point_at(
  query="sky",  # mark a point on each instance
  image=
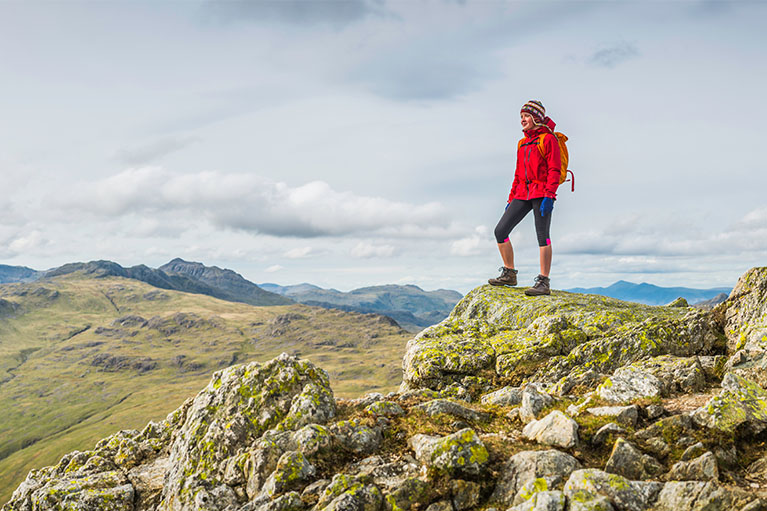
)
(350, 143)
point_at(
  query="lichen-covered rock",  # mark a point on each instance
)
(745, 312)
(461, 453)
(702, 468)
(354, 437)
(629, 462)
(582, 500)
(231, 413)
(626, 415)
(676, 374)
(740, 408)
(465, 494)
(556, 429)
(288, 502)
(750, 364)
(387, 475)
(444, 406)
(530, 471)
(293, 472)
(110, 491)
(410, 493)
(623, 494)
(543, 501)
(365, 498)
(385, 409)
(312, 439)
(693, 451)
(499, 331)
(699, 496)
(507, 396)
(629, 384)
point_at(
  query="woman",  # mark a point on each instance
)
(534, 189)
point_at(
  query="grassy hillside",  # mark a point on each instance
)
(82, 357)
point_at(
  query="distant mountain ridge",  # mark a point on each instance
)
(180, 275)
(409, 305)
(10, 274)
(650, 294)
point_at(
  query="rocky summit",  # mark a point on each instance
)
(561, 402)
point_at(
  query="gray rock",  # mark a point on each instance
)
(543, 501)
(702, 468)
(530, 471)
(443, 406)
(626, 415)
(313, 491)
(693, 451)
(441, 505)
(533, 402)
(605, 431)
(675, 374)
(628, 384)
(354, 437)
(312, 439)
(629, 462)
(366, 498)
(740, 408)
(288, 502)
(106, 490)
(234, 410)
(655, 411)
(699, 496)
(507, 396)
(385, 408)
(745, 312)
(555, 429)
(461, 453)
(750, 364)
(410, 493)
(623, 494)
(293, 472)
(465, 494)
(582, 500)
(658, 447)
(387, 475)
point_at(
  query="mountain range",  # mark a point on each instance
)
(650, 294)
(410, 306)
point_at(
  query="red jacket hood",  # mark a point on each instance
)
(547, 127)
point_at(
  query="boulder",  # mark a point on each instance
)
(533, 403)
(628, 384)
(556, 429)
(354, 437)
(629, 462)
(444, 406)
(740, 408)
(465, 494)
(293, 471)
(583, 500)
(543, 501)
(461, 453)
(533, 470)
(605, 431)
(676, 374)
(410, 493)
(745, 312)
(626, 415)
(507, 396)
(698, 495)
(231, 413)
(623, 494)
(702, 468)
(385, 409)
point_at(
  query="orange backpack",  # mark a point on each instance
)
(561, 138)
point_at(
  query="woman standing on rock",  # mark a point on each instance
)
(534, 189)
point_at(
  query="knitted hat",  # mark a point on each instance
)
(536, 109)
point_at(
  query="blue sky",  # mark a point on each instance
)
(353, 143)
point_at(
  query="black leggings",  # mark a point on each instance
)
(514, 214)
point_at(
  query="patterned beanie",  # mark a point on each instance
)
(536, 109)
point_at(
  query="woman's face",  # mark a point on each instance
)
(527, 121)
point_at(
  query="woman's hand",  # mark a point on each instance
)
(547, 205)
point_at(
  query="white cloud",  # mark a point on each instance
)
(300, 253)
(26, 242)
(274, 268)
(252, 203)
(364, 250)
(475, 244)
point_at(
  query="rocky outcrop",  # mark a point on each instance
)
(567, 402)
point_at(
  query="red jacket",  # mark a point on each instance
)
(537, 175)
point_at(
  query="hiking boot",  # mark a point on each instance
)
(508, 277)
(541, 287)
